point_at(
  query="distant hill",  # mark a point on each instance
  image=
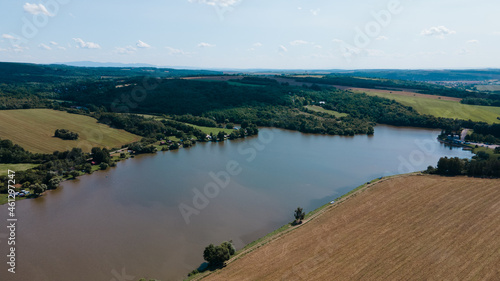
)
(40, 73)
(105, 64)
(427, 75)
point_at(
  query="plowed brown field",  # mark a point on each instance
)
(406, 228)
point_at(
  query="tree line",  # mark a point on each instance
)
(482, 165)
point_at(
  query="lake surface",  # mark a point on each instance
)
(126, 223)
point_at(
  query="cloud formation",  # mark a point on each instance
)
(142, 45)
(174, 51)
(8, 36)
(220, 3)
(19, 49)
(86, 45)
(205, 45)
(125, 50)
(282, 49)
(437, 31)
(314, 12)
(36, 9)
(298, 42)
(473, 41)
(44, 47)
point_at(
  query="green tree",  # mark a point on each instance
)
(74, 174)
(299, 215)
(220, 136)
(103, 166)
(38, 188)
(217, 255)
(53, 183)
(100, 155)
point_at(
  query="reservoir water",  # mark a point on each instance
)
(127, 222)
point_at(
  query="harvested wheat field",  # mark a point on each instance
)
(406, 228)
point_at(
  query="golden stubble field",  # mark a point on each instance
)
(406, 228)
(34, 129)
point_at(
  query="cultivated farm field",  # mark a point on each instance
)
(410, 227)
(442, 107)
(34, 129)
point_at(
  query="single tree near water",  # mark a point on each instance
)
(299, 215)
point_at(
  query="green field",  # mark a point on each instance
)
(33, 129)
(15, 167)
(321, 109)
(445, 108)
(208, 130)
(490, 88)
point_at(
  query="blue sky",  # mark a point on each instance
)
(290, 34)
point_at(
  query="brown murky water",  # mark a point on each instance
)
(125, 223)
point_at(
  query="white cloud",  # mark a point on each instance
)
(44, 47)
(220, 3)
(463, 51)
(473, 41)
(374, 53)
(125, 50)
(18, 49)
(315, 12)
(36, 9)
(318, 47)
(437, 31)
(142, 45)
(174, 51)
(205, 45)
(282, 49)
(257, 45)
(298, 42)
(86, 45)
(382, 38)
(347, 50)
(53, 43)
(8, 36)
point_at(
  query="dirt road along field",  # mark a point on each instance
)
(407, 228)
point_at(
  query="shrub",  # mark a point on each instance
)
(65, 134)
(103, 166)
